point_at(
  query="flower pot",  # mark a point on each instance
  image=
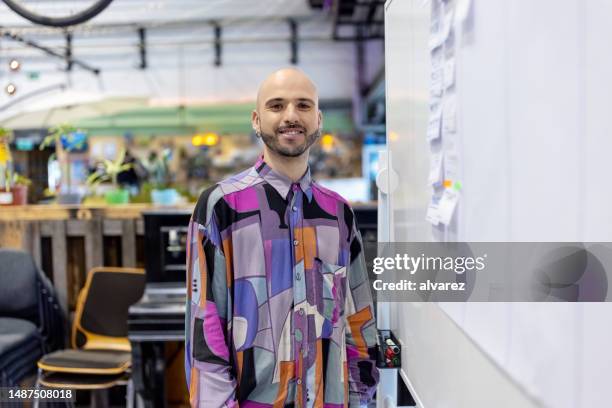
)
(20, 194)
(6, 197)
(168, 196)
(118, 196)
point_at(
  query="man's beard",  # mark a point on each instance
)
(273, 144)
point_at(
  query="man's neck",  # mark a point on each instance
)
(290, 167)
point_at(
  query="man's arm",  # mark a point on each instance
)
(361, 340)
(207, 357)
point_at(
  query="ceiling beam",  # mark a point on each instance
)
(71, 61)
(293, 27)
(142, 47)
(218, 45)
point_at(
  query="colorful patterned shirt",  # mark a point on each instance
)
(279, 306)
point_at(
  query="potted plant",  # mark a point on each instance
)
(65, 138)
(20, 189)
(160, 178)
(110, 171)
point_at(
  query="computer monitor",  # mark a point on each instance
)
(166, 245)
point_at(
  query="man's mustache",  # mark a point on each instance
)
(291, 127)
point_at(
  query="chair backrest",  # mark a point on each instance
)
(18, 285)
(100, 321)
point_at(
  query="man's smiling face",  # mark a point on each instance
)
(287, 115)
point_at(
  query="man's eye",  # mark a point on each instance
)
(304, 106)
(276, 107)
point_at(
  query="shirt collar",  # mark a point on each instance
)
(282, 183)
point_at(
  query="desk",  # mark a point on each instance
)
(152, 322)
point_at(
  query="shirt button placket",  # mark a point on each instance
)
(297, 240)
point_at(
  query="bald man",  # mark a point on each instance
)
(279, 309)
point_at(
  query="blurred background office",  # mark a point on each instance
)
(113, 123)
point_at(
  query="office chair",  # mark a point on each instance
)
(100, 357)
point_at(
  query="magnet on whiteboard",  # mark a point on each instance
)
(387, 180)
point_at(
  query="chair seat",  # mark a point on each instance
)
(87, 361)
(14, 333)
(20, 348)
(82, 381)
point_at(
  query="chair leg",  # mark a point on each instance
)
(37, 386)
(139, 401)
(99, 398)
(129, 394)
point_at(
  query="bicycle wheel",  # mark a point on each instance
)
(49, 13)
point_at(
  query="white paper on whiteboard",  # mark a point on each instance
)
(447, 205)
(437, 60)
(437, 81)
(435, 168)
(449, 73)
(447, 25)
(432, 215)
(449, 114)
(451, 166)
(462, 11)
(435, 121)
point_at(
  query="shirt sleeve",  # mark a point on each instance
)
(361, 334)
(211, 381)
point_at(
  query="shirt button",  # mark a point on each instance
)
(294, 208)
(296, 242)
(298, 276)
(301, 312)
(299, 382)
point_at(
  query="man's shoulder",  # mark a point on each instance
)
(344, 207)
(330, 194)
(210, 197)
(206, 203)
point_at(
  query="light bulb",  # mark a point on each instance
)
(14, 65)
(11, 89)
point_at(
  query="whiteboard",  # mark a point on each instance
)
(533, 80)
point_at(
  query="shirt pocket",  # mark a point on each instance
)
(330, 303)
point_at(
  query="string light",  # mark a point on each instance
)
(11, 89)
(14, 65)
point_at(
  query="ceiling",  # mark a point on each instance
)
(179, 40)
(167, 24)
(160, 12)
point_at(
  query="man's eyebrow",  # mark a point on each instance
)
(273, 100)
(269, 101)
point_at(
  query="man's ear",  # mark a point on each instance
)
(320, 120)
(255, 121)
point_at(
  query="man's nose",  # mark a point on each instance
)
(291, 114)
